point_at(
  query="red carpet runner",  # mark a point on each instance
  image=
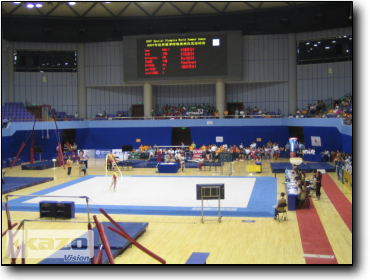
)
(313, 236)
(338, 199)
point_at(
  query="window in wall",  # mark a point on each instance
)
(326, 50)
(45, 61)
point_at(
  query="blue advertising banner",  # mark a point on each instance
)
(101, 153)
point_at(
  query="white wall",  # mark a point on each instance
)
(264, 84)
(5, 45)
(104, 64)
(326, 80)
(270, 96)
(112, 99)
(56, 89)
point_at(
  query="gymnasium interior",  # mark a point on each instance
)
(88, 84)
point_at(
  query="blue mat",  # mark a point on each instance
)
(38, 165)
(322, 165)
(262, 199)
(117, 243)
(13, 184)
(279, 167)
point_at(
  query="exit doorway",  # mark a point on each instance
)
(235, 105)
(181, 134)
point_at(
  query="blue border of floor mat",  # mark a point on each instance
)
(262, 199)
(13, 184)
(322, 165)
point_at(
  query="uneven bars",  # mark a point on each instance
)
(51, 221)
(104, 239)
(47, 196)
(125, 235)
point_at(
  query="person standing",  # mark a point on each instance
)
(213, 150)
(234, 153)
(182, 160)
(69, 165)
(287, 150)
(194, 145)
(114, 180)
(318, 185)
(276, 151)
(201, 163)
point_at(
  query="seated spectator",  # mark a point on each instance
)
(83, 168)
(100, 114)
(313, 109)
(278, 112)
(265, 112)
(74, 147)
(226, 113)
(76, 115)
(280, 201)
(255, 109)
(65, 119)
(217, 114)
(167, 157)
(5, 122)
(236, 113)
(298, 112)
(301, 192)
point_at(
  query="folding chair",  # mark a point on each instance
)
(282, 214)
(303, 201)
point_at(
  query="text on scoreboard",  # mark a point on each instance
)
(182, 56)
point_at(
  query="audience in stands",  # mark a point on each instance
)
(5, 122)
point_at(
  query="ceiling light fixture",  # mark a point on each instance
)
(38, 5)
(16, 3)
(30, 5)
(72, 3)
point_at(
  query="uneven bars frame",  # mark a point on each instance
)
(20, 195)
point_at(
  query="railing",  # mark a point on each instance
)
(345, 120)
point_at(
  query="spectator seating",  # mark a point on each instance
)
(16, 112)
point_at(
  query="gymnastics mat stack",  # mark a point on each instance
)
(38, 165)
(13, 184)
(117, 243)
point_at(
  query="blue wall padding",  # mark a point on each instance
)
(6, 146)
(234, 135)
(114, 138)
(108, 138)
(330, 138)
(346, 143)
(48, 145)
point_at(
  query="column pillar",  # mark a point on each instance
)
(220, 97)
(81, 88)
(292, 61)
(148, 99)
(11, 73)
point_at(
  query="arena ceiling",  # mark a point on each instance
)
(136, 9)
(110, 21)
